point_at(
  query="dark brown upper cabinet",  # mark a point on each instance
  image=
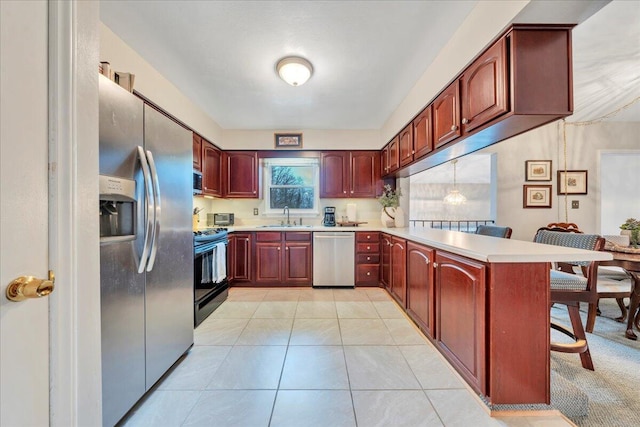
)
(446, 115)
(211, 170)
(405, 144)
(484, 88)
(241, 174)
(423, 133)
(197, 152)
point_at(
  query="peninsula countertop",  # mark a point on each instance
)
(481, 248)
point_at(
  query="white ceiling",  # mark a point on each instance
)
(366, 56)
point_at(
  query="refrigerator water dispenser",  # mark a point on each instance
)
(117, 209)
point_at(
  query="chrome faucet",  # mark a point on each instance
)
(286, 211)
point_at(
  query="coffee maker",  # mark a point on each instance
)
(329, 216)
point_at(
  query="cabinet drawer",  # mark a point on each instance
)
(268, 236)
(297, 236)
(367, 273)
(368, 259)
(368, 248)
(362, 236)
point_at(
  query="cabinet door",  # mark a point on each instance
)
(460, 315)
(197, 152)
(334, 175)
(211, 170)
(365, 174)
(394, 154)
(240, 257)
(385, 264)
(268, 263)
(484, 88)
(446, 115)
(398, 270)
(405, 144)
(297, 263)
(420, 286)
(242, 174)
(384, 160)
(422, 133)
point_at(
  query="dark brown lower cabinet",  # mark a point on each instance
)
(399, 270)
(385, 261)
(420, 287)
(239, 259)
(460, 316)
(283, 258)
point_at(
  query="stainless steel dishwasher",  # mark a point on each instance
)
(334, 258)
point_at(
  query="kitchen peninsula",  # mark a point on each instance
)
(483, 301)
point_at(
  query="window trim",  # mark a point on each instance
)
(313, 162)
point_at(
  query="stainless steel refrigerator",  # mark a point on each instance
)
(146, 247)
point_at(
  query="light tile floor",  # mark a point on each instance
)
(314, 357)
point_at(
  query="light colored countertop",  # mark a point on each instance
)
(481, 248)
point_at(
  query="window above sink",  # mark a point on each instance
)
(291, 182)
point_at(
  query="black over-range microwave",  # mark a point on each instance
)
(197, 182)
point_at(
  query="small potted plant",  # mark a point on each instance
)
(631, 227)
(390, 201)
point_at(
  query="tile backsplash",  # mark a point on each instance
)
(366, 210)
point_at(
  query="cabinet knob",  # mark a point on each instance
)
(278, 247)
(454, 127)
(254, 191)
(426, 261)
(435, 265)
(465, 121)
(247, 240)
(413, 151)
(351, 191)
(205, 188)
(368, 273)
(368, 247)
(345, 191)
(287, 248)
(368, 258)
(368, 236)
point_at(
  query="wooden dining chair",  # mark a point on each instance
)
(494, 231)
(569, 226)
(570, 289)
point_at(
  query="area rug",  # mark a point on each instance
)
(610, 395)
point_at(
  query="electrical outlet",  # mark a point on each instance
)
(575, 204)
(255, 211)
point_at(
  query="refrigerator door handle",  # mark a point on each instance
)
(149, 203)
(155, 235)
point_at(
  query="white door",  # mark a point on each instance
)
(24, 326)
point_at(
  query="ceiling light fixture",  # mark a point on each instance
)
(454, 197)
(294, 70)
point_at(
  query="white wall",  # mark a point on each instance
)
(150, 83)
(312, 139)
(545, 143)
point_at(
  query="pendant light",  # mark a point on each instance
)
(454, 197)
(294, 70)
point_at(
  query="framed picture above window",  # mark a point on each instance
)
(572, 182)
(288, 140)
(537, 170)
(536, 196)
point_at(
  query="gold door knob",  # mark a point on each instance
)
(29, 287)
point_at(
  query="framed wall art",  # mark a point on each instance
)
(537, 170)
(536, 196)
(572, 182)
(288, 140)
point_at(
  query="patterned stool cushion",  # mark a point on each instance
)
(567, 281)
